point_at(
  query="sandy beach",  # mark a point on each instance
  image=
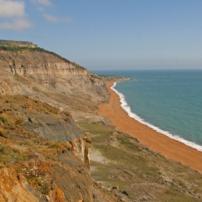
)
(157, 142)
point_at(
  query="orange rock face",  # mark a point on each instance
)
(57, 195)
(14, 187)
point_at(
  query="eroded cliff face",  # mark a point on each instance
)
(43, 153)
(37, 62)
(51, 78)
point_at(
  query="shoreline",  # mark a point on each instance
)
(131, 114)
(157, 141)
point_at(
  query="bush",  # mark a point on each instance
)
(3, 120)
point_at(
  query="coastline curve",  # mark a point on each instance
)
(125, 106)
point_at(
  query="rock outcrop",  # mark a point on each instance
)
(41, 153)
(14, 187)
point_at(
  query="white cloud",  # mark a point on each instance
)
(19, 24)
(13, 16)
(10, 8)
(56, 19)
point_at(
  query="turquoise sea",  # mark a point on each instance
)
(168, 101)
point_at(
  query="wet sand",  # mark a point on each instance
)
(157, 142)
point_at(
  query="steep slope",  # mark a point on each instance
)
(45, 75)
(43, 153)
(40, 152)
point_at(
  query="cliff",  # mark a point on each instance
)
(55, 148)
(37, 160)
(46, 76)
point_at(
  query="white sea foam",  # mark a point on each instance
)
(128, 110)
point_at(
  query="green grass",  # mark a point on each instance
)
(172, 195)
(130, 165)
(3, 120)
(96, 128)
(9, 155)
(17, 48)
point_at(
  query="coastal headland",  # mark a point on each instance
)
(157, 142)
(54, 146)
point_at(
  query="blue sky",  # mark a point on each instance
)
(110, 34)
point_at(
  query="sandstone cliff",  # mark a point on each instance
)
(46, 76)
(43, 153)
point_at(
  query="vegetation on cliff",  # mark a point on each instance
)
(134, 173)
(54, 147)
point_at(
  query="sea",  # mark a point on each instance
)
(169, 101)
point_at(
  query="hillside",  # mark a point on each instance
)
(46, 76)
(43, 153)
(55, 147)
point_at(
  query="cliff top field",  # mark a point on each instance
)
(17, 44)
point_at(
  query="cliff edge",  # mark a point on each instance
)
(43, 153)
(29, 70)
